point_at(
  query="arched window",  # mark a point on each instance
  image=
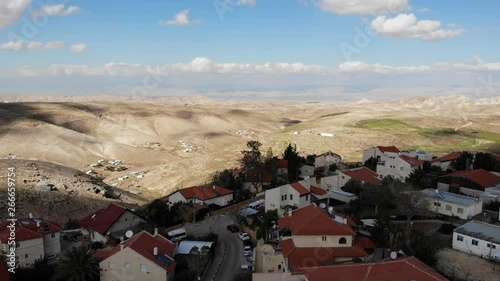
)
(342, 240)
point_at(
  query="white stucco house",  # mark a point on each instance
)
(444, 162)
(478, 238)
(398, 167)
(306, 171)
(35, 239)
(418, 154)
(327, 159)
(204, 195)
(143, 257)
(114, 220)
(296, 195)
(451, 204)
(380, 152)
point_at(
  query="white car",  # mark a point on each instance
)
(243, 236)
(247, 251)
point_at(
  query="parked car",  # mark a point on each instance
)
(243, 236)
(247, 251)
(233, 228)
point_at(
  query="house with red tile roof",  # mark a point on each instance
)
(361, 174)
(470, 182)
(306, 171)
(326, 159)
(257, 180)
(295, 195)
(380, 152)
(34, 239)
(444, 162)
(203, 195)
(311, 236)
(400, 269)
(114, 220)
(142, 257)
(398, 166)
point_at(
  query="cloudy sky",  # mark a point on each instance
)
(247, 49)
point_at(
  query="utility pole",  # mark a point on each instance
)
(475, 133)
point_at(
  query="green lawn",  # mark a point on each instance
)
(387, 124)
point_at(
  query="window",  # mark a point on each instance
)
(307, 197)
(279, 266)
(111, 265)
(285, 196)
(46, 228)
(127, 265)
(282, 197)
(53, 235)
(460, 210)
(323, 238)
(474, 242)
(491, 246)
(437, 204)
(342, 241)
(291, 196)
(26, 256)
(448, 207)
(144, 268)
(488, 245)
(18, 245)
(460, 238)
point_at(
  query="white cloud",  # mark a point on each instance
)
(11, 10)
(241, 2)
(78, 48)
(407, 26)
(19, 46)
(363, 7)
(424, 10)
(202, 65)
(181, 18)
(57, 10)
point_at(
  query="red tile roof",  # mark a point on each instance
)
(27, 229)
(392, 149)
(258, 175)
(103, 219)
(312, 220)
(449, 157)
(144, 243)
(363, 174)
(402, 269)
(309, 257)
(204, 193)
(414, 162)
(302, 190)
(282, 163)
(329, 153)
(238, 171)
(4, 273)
(318, 190)
(480, 176)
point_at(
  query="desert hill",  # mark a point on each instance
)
(178, 142)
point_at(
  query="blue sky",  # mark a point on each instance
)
(263, 46)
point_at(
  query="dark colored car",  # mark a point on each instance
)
(233, 228)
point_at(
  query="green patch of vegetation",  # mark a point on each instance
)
(386, 124)
(440, 132)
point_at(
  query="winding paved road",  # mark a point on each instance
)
(232, 258)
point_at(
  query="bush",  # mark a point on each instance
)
(446, 228)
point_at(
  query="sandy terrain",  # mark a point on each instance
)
(180, 142)
(463, 266)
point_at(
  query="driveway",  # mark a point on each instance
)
(232, 258)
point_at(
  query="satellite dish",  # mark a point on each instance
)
(322, 205)
(129, 233)
(394, 255)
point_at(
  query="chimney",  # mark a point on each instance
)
(38, 224)
(31, 215)
(155, 251)
(213, 186)
(122, 245)
(290, 212)
(344, 220)
(156, 231)
(330, 210)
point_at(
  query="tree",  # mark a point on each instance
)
(158, 213)
(371, 164)
(77, 265)
(378, 196)
(425, 247)
(396, 237)
(270, 217)
(419, 179)
(253, 157)
(354, 186)
(294, 161)
(225, 179)
(310, 159)
(463, 161)
(484, 161)
(411, 202)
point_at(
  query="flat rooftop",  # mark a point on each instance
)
(450, 197)
(480, 230)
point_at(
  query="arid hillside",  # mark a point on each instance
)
(165, 144)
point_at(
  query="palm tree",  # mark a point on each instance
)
(396, 237)
(77, 265)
